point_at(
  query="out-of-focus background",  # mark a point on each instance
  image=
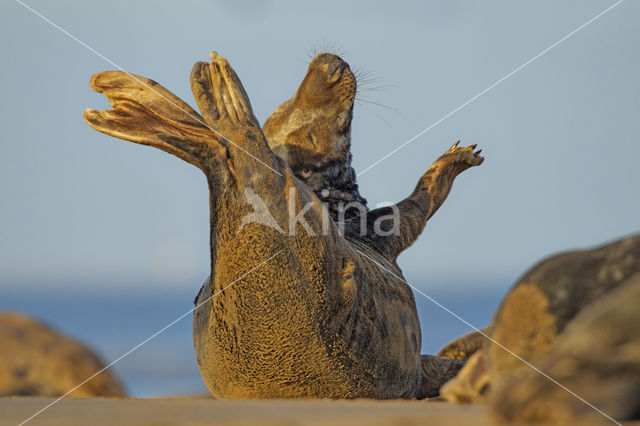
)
(108, 241)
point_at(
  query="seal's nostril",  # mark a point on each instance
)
(333, 67)
(335, 71)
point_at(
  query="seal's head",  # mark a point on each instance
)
(311, 131)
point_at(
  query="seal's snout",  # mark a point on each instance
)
(329, 81)
(332, 66)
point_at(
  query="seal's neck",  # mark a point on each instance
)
(339, 192)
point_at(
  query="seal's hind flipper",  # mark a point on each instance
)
(144, 112)
(227, 110)
(220, 95)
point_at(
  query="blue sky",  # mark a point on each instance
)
(80, 208)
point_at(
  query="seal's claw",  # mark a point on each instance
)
(464, 156)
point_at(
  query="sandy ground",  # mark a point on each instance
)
(105, 411)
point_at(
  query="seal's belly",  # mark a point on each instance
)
(249, 348)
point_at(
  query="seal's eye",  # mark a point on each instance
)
(305, 172)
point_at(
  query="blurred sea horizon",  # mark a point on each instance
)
(113, 320)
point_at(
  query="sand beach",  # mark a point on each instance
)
(200, 411)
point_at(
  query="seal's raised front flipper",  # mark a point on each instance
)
(392, 237)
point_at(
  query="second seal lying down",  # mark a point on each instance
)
(295, 313)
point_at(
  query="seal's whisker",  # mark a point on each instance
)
(376, 88)
(304, 60)
(364, 105)
(312, 51)
(309, 51)
(338, 50)
(367, 82)
(369, 101)
(333, 48)
(365, 76)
